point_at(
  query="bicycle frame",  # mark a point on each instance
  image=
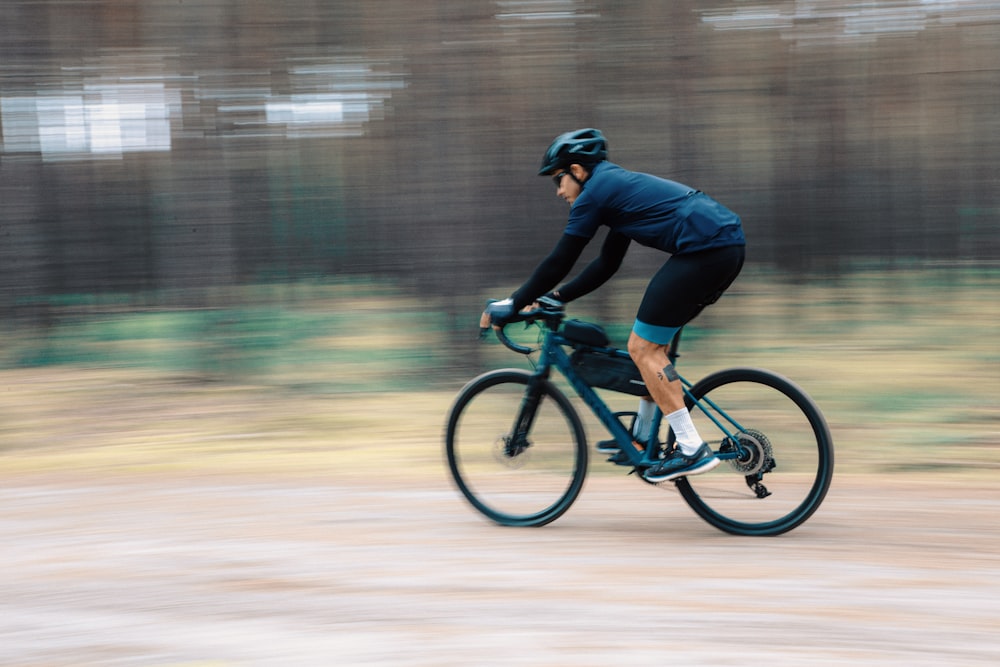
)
(486, 458)
(554, 356)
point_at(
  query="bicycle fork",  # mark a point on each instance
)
(518, 442)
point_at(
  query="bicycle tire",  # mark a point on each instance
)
(515, 486)
(757, 496)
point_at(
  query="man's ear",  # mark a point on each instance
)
(579, 172)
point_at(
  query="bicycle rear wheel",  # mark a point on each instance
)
(777, 465)
(516, 448)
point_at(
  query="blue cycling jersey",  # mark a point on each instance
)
(652, 211)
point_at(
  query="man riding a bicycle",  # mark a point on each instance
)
(706, 245)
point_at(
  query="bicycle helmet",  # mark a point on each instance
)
(586, 147)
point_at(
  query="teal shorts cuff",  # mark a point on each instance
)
(653, 333)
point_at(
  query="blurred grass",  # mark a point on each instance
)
(336, 380)
(327, 338)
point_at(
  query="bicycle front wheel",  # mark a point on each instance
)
(777, 461)
(516, 448)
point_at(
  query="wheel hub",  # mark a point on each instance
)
(511, 452)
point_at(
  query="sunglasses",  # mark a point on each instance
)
(557, 178)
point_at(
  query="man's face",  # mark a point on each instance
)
(566, 186)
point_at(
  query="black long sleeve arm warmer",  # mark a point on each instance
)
(552, 269)
(560, 262)
(599, 270)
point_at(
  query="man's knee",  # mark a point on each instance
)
(653, 361)
(635, 346)
(640, 349)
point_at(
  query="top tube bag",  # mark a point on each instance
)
(587, 333)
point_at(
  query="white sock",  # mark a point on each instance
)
(687, 435)
(643, 419)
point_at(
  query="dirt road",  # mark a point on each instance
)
(273, 570)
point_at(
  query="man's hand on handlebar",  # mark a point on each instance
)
(549, 302)
(500, 313)
(497, 313)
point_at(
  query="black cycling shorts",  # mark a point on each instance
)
(683, 287)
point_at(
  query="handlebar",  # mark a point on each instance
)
(548, 311)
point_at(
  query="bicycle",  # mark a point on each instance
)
(517, 450)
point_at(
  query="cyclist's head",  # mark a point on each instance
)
(584, 147)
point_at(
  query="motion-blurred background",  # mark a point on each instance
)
(311, 200)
